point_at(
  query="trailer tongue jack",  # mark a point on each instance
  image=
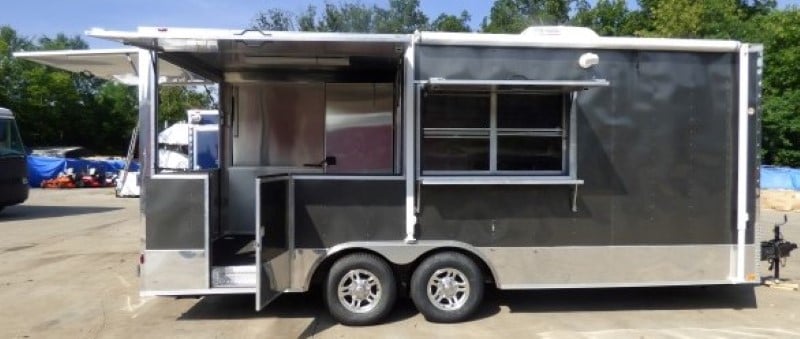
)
(776, 249)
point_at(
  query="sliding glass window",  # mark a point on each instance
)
(456, 129)
(494, 131)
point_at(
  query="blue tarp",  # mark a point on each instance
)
(43, 168)
(786, 178)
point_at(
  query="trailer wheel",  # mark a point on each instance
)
(360, 289)
(447, 287)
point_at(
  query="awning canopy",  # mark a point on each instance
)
(239, 54)
(117, 64)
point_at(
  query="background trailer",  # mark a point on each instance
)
(438, 161)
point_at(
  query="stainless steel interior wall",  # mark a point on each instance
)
(279, 125)
(359, 127)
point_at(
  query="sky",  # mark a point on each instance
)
(35, 18)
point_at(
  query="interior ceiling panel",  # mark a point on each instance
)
(239, 56)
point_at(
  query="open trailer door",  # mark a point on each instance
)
(273, 237)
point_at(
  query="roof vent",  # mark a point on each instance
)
(560, 32)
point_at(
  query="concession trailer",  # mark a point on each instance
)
(432, 163)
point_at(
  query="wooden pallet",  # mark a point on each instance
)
(781, 285)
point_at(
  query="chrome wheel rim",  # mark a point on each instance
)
(359, 291)
(448, 289)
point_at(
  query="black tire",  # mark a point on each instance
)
(459, 269)
(384, 292)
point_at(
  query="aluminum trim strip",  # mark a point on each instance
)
(77, 52)
(495, 180)
(243, 35)
(489, 82)
(572, 169)
(492, 131)
(408, 141)
(613, 266)
(207, 225)
(257, 240)
(618, 285)
(209, 291)
(741, 182)
(346, 177)
(162, 176)
(290, 223)
(148, 98)
(472, 39)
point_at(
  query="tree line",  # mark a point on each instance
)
(58, 108)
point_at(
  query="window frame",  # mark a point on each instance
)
(567, 136)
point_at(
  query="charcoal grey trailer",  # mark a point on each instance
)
(367, 163)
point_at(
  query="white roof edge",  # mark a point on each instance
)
(24, 54)
(424, 38)
(477, 39)
(251, 35)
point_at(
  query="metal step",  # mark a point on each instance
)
(233, 276)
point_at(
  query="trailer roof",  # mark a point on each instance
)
(245, 55)
(117, 64)
(582, 41)
(199, 39)
(6, 113)
(144, 35)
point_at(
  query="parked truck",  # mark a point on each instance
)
(13, 164)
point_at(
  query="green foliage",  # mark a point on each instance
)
(49, 104)
(607, 17)
(58, 108)
(118, 108)
(513, 16)
(757, 7)
(452, 23)
(175, 100)
(62, 41)
(696, 19)
(274, 20)
(347, 17)
(779, 31)
(401, 16)
(306, 21)
(781, 128)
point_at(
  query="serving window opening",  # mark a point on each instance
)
(495, 131)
